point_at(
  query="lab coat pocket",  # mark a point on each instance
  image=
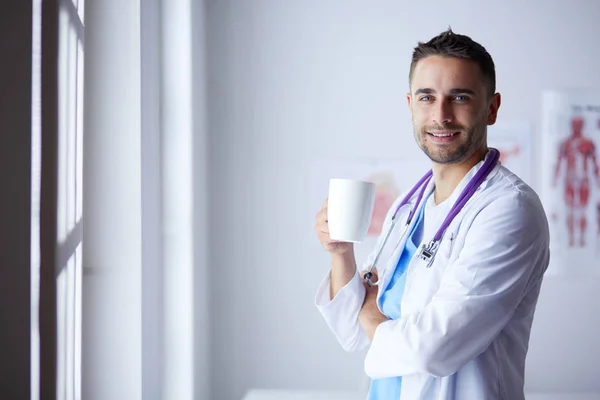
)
(443, 254)
(447, 244)
(428, 279)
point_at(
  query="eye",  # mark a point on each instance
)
(461, 99)
(425, 98)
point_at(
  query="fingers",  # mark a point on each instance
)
(324, 208)
(369, 289)
(321, 220)
(322, 214)
(322, 228)
(374, 277)
(324, 238)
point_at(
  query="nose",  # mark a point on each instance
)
(442, 112)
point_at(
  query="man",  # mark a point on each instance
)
(456, 327)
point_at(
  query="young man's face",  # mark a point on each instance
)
(450, 108)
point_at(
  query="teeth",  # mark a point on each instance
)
(442, 135)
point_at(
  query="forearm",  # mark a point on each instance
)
(343, 268)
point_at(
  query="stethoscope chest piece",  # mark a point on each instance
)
(428, 251)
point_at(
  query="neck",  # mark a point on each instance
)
(447, 176)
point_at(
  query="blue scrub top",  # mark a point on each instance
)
(389, 388)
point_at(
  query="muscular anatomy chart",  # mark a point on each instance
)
(578, 165)
(571, 180)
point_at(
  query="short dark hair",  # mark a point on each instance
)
(450, 44)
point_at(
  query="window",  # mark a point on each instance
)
(70, 193)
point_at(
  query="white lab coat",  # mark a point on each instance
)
(466, 320)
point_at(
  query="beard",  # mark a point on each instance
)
(470, 139)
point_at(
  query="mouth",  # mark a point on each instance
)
(443, 136)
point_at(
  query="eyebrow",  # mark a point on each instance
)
(452, 91)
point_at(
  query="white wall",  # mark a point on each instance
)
(291, 82)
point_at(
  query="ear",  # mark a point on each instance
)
(409, 101)
(493, 109)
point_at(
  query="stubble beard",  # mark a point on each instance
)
(455, 153)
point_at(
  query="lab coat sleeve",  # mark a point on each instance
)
(341, 312)
(505, 249)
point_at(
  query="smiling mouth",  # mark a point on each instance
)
(443, 134)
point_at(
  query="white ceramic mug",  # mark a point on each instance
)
(349, 209)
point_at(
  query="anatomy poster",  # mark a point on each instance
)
(391, 177)
(513, 140)
(571, 180)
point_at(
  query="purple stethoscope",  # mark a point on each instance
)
(428, 251)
